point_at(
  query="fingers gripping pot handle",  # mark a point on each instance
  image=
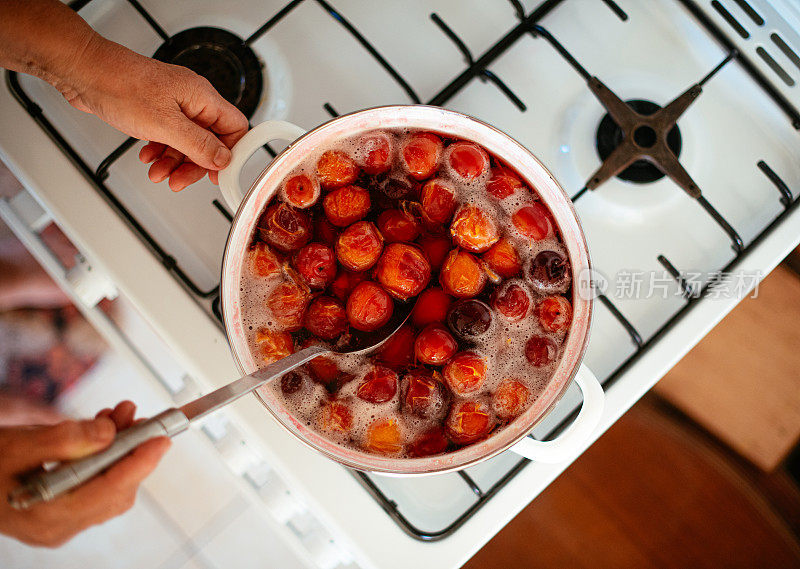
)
(255, 138)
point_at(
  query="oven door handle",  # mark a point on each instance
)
(575, 438)
(256, 137)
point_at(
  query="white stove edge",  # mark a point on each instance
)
(332, 494)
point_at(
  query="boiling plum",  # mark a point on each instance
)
(431, 306)
(335, 418)
(435, 249)
(287, 302)
(325, 232)
(423, 394)
(470, 318)
(503, 183)
(375, 151)
(291, 382)
(345, 282)
(274, 345)
(346, 205)
(469, 421)
(398, 351)
(473, 229)
(395, 188)
(403, 270)
(420, 154)
(369, 307)
(510, 399)
(384, 437)
(316, 263)
(512, 301)
(323, 369)
(549, 272)
(378, 386)
(434, 345)
(467, 160)
(397, 225)
(284, 228)
(301, 191)
(554, 313)
(540, 350)
(438, 199)
(359, 246)
(336, 169)
(534, 221)
(465, 373)
(503, 259)
(325, 317)
(431, 442)
(263, 261)
(462, 275)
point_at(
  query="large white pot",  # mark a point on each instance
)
(249, 205)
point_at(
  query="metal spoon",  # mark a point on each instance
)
(42, 486)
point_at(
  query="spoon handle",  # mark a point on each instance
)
(212, 401)
(43, 486)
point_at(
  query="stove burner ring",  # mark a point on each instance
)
(609, 136)
(221, 57)
(645, 136)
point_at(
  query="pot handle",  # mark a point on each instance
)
(255, 138)
(570, 442)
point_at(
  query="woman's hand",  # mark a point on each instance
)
(105, 496)
(190, 126)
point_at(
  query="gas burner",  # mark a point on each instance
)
(610, 136)
(646, 133)
(644, 137)
(221, 57)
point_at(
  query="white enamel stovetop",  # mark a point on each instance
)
(655, 55)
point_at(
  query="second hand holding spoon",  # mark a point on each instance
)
(43, 486)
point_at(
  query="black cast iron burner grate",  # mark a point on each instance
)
(476, 68)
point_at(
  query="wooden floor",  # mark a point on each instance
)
(741, 381)
(651, 493)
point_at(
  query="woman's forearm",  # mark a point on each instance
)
(44, 38)
(189, 125)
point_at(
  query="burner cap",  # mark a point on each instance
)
(221, 57)
(609, 136)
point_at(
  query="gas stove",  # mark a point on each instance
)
(673, 124)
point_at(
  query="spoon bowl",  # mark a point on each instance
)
(363, 343)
